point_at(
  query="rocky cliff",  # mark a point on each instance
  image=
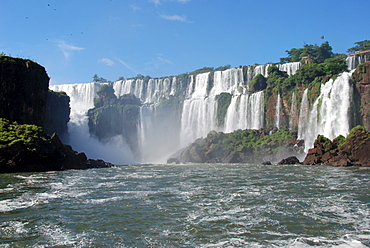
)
(27, 108)
(349, 151)
(25, 97)
(361, 78)
(57, 114)
(23, 90)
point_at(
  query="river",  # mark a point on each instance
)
(192, 205)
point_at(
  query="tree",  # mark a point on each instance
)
(334, 66)
(315, 53)
(98, 79)
(360, 46)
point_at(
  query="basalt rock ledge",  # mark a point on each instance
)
(350, 151)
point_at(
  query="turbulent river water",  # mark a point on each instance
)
(193, 205)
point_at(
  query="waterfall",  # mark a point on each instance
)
(293, 113)
(354, 60)
(277, 111)
(199, 109)
(290, 68)
(330, 113)
(81, 100)
(303, 116)
(245, 112)
(198, 113)
(159, 133)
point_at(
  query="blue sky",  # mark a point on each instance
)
(75, 39)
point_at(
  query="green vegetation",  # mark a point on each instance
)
(223, 101)
(360, 46)
(98, 79)
(319, 68)
(314, 53)
(258, 83)
(113, 116)
(202, 70)
(12, 132)
(258, 142)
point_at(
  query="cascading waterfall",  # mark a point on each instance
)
(81, 100)
(198, 114)
(293, 113)
(160, 135)
(330, 113)
(354, 60)
(245, 112)
(277, 111)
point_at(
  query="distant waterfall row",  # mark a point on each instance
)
(329, 114)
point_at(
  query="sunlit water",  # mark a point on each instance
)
(207, 205)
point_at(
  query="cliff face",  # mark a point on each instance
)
(57, 114)
(23, 90)
(361, 79)
(111, 117)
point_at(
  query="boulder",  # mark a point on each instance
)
(290, 160)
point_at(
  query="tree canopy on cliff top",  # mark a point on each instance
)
(315, 53)
(360, 46)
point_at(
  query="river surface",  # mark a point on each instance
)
(193, 205)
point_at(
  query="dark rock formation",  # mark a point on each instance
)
(241, 146)
(111, 117)
(25, 99)
(289, 160)
(57, 114)
(349, 151)
(173, 161)
(361, 78)
(23, 90)
(43, 154)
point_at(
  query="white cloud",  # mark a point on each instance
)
(164, 60)
(137, 25)
(67, 50)
(134, 7)
(107, 62)
(175, 18)
(127, 66)
(156, 2)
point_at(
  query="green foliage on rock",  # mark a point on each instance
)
(12, 132)
(223, 101)
(258, 83)
(246, 145)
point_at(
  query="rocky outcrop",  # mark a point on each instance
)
(57, 114)
(241, 146)
(33, 151)
(25, 99)
(23, 90)
(361, 78)
(350, 151)
(289, 160)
